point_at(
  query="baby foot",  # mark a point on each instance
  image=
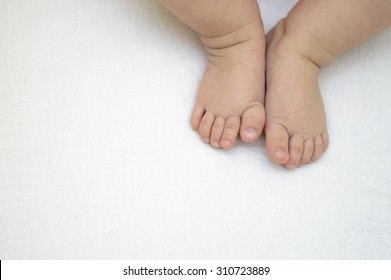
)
(295, 129)
(230, 99)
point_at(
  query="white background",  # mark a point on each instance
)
(98, 160)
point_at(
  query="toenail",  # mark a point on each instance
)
(280, 153)
(226, 143)
(206, 140)
(250, 132)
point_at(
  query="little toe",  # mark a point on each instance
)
(325, 139)
(296, 147)
(318, 148)
(206, 126)
(217, 132)
(196, 116)
(253, 120)
(230, 133)
(277, 139)
(308, 151)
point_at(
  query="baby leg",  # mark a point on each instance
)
(311, 36)
(230, 98)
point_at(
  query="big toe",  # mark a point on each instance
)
(277, 141)
(253, 120)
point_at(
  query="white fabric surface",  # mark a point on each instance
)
(98, 160)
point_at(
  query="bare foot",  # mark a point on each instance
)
(295, 129)
(230, 99)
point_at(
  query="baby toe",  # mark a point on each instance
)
(325, 139)
(230, 133)
(196, 116)
(253, 120)
(206, 126)
(318, 148)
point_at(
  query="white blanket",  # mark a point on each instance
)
(98, 160)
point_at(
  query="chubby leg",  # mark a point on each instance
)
(311, 36)
(230, 98)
